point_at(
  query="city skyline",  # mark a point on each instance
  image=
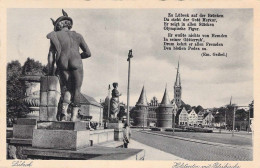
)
(110, 33)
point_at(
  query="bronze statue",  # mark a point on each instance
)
(64, 52)
(115, 101)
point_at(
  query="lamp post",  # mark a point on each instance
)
(143, 121)
(225, 119)
(234, 116)
(100, 117)
(128, 85)
(248, 120)
(173, 119)
(108, 106)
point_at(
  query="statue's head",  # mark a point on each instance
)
(115, 84)
(63, 21)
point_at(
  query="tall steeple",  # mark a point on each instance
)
(142, 99)
(177, 88)
(178, 76)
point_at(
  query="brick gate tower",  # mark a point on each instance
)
(141, 111)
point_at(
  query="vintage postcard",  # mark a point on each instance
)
(130, 83)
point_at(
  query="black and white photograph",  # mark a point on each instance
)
(151, 84)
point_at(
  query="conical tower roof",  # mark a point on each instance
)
(142, 99)
(165, 99)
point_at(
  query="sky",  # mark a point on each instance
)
(110, 33)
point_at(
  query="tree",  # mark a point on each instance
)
(32, 67)
(198, 108)
(241, 115)
(230, 114)
(187, 107)
(132, 112)
(15, 88)
(105, 108)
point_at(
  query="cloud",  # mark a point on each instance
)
(110, 33)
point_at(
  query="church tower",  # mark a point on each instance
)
(177, 89)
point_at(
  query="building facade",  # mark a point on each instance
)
(192, 118)
(152, 111)
(182, 117)
(91, 108)
(161, 114)
(208, 119)
(200, 117)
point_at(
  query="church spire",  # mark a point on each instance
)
(142, 99)
(178, 76)
(177, 87)
(165, 99)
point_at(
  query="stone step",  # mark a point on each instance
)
(60, 125)
(19, 141)
(88, 153)
(23, 131)
(26, 121)
(112, 144)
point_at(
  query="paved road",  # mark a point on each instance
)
(244, 140)
(192, 150)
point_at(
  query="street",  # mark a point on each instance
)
(193, 148)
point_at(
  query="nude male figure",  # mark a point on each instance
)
(64, 52)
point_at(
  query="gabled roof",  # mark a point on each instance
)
(180, 110)
(191, 111)
(205, 115)
(200, 112)
(85, 99)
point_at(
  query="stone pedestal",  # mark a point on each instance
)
(61, 135)
(24, 128)
(118, 130)
(89, 153)
(49, 98)
(60, 139)
(20, 138)
(101, 136)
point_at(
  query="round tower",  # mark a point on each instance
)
(165, 112)
(141, 110)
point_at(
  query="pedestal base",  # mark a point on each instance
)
(89, 153)
(24, 128)
(118, 130)
(60, 139)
